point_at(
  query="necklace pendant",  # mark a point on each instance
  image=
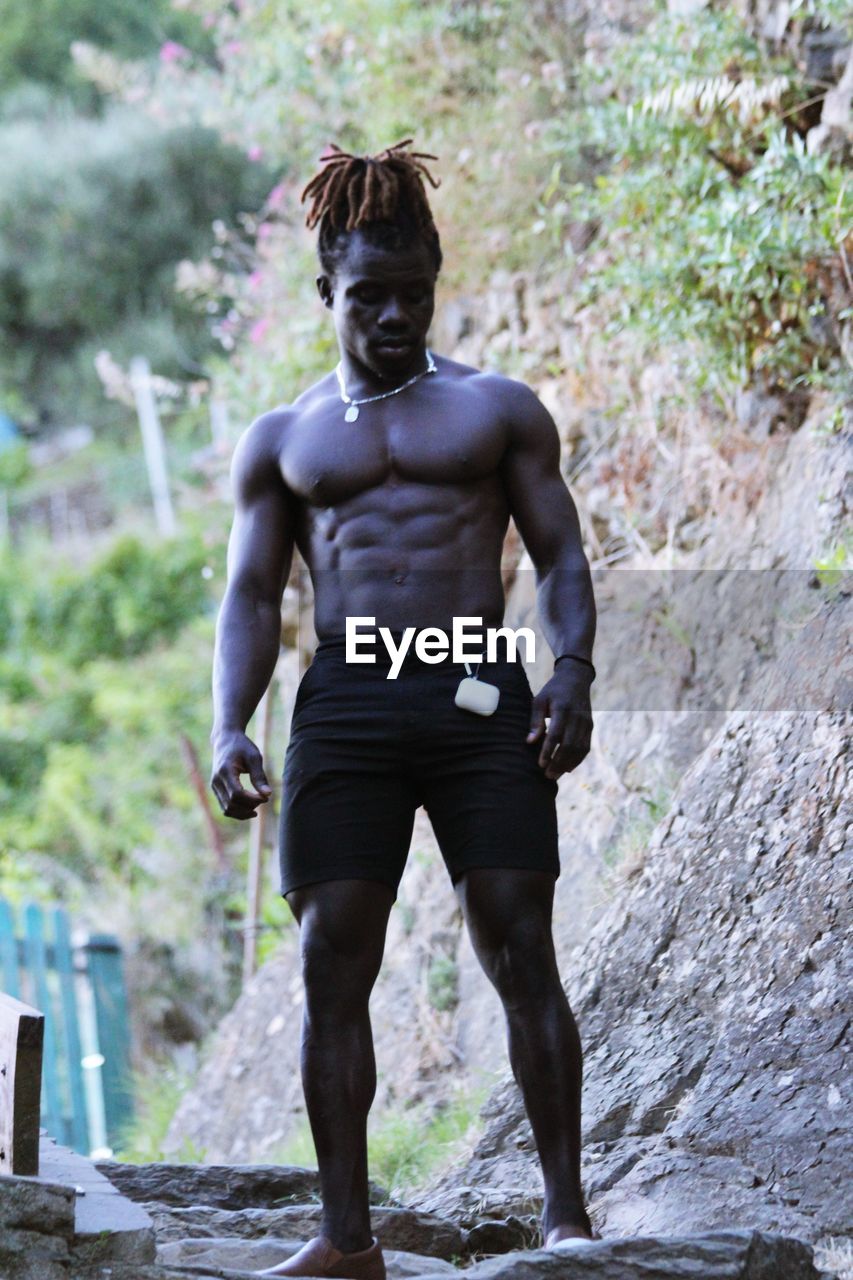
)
(351, 413)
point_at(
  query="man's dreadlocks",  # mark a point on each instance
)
(384, 196)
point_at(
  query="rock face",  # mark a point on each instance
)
(713, 995)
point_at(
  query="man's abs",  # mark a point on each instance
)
(408, 555)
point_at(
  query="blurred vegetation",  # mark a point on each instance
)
(662, 184)
(36, 38)
(407, 1145)
(94, 216)
(156, 1095)
(94, 698)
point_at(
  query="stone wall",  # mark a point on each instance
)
(714, 994)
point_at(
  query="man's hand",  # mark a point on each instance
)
(235, 754)
(564, 700)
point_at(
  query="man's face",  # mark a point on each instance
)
(382, 301)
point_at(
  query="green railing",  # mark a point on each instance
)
(86, 1095)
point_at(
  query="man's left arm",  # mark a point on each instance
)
(547, 519)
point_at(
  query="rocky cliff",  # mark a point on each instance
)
(713, 994)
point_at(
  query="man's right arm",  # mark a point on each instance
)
(248, 630)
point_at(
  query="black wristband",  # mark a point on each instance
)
(586, 662)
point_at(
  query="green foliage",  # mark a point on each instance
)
(826, 13)
(465, 81)
(131, 598)
(93, 705)
(626, 854)
(94, 216)
(156, 1093)
(443, 982)
(14, 465)
(36, 37)
(406, 1146)
(834, 568)
(718, 233)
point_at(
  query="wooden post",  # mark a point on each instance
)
(256, 850)
(220, 429)
(21, 1045)
(152, 441)
(214, 835)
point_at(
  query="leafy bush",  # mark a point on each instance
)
(717, 231)
(133, 597)
(94, 216)
(93, 706)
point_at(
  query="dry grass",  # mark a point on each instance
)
(835, 1257)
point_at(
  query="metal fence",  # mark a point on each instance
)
(86, 1084)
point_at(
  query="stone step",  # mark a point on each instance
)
(720, 1255)
(221, 1186)
(725, 1255)
(108, 1227)
(254, 1255)
(150, 1271)
(404, 1229)
(36, 1228)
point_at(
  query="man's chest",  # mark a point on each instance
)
(326, 460)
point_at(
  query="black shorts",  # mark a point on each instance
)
(365, 751)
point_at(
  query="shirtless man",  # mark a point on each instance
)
(400, 514)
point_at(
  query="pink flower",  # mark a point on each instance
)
(231, 47)
(208, 21)
(276, 197)
(171, 51)
(255, 152)
(255, 279)
(259, 329)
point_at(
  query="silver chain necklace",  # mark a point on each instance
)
(352, 411)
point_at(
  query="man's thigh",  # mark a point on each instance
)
(488, 800)
(348, 802)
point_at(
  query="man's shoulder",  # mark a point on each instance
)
(268, 433)
(255, 463)
(514, 401)
(261, 442)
